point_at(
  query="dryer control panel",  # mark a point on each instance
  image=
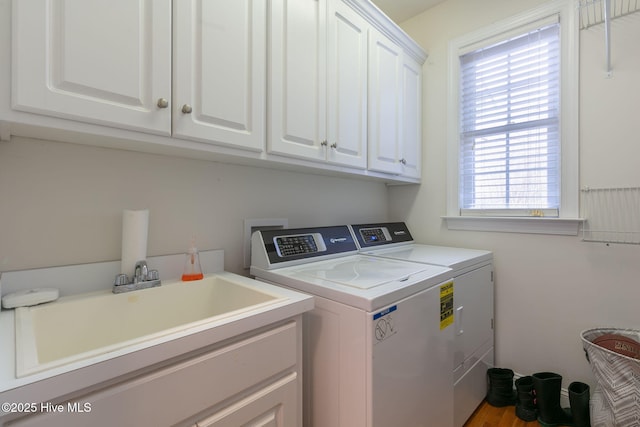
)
(375, 234)
(369, 235)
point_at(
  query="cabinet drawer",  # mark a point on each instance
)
(275, 405)
(177, 392)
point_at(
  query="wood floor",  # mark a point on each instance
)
(490, 416)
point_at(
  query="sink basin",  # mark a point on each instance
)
(79, 327)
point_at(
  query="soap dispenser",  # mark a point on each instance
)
(192, 269)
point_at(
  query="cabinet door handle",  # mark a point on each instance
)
(186, 109)
(403, 161)
(324, 143)
(334, 145)
(163, 103)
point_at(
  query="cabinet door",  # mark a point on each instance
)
(99, 61)
(347, 86)
(411, 143)
(220, 72)
(298, 79)
(385, 108)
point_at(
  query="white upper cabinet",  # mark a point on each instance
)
(297, 101)
(219, 71)
(411, 146)
(347, 86)
(395, 108)
(331, 85)
(106, 62)
(110, 62)
(385, 104)
(318, 82)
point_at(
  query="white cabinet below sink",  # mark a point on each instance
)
(255, 380)
(239, 359)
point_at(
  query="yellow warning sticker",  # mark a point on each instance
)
(446, 305)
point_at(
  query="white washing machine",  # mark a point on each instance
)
(472, 271)
(379, 342)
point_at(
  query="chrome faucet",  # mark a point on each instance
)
(140, 272)
(142, 278)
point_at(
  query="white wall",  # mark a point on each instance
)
(62, 203)
(547, 288)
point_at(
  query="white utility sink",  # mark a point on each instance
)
(83, 326)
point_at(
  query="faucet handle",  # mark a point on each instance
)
(121, 279)
(153, 275)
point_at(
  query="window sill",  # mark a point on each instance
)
(529, 225)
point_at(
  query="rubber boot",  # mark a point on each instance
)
(525, 401)
(579, 400)
(547, 387)
(500, 387)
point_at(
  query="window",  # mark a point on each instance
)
(509, 122)
(513, 130)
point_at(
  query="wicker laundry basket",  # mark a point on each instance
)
(615, 402)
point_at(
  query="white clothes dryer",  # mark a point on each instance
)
(472, 271)
(379, 344)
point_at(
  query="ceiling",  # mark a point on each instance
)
(401, 10)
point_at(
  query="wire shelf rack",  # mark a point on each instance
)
(593, 12)
(612, 215)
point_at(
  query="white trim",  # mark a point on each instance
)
(522, 27)
(372, 14)
(529, 225)
(570, 156)
(569, 186)
(509, 213)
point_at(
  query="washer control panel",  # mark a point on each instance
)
(293, 246)
(301, 244)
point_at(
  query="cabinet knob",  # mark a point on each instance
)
(403, 161)
(324, 143)
(334, 145)
(163, 103)
(186, 109)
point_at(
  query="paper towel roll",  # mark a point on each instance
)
(135, 228)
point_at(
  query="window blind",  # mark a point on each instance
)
(510, 126)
